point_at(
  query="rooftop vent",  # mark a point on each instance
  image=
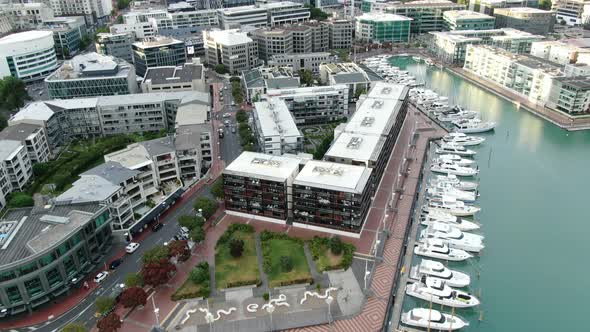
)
(267, 162)
(368, 121)
(386, 90)
(328, 170)
(354, 143)
(377, 104)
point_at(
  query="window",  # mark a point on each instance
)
(70, 266)
(54, 277)
(7, 275)
(28, 268)
(13, 294)
(46, 260)
(34, 287)
(102, 219)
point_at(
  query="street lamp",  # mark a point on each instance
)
(156, 311)
(367, 273)
(270, 309)
(329, 301)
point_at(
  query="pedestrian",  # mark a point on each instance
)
(86, 285)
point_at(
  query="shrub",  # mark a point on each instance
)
(236, 247)
(286, 263)
(133, 280)
(197, 234)
(241, 116)
(104, 304)
(156, 254)
(266, 296)
(133, 297)
(220, 69)
(199, 274)
(208, 206)
(20, 199)
(191, 222)
(110, 323)
(217, 188)
(74, 327)
(336, 245)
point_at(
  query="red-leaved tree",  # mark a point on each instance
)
(109, 323)
(179, 249)
(157, 273)
(133, 296)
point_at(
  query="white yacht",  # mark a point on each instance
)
(453, 237)
(452, 206)
(447, 148)
(436, 248)
(433, 320)
(436, 291)
(463, 139)
(452, 168)
(457, 116)
(436, 269)
(453, 180)
(428, 218)
(441, 190)
(472, 126)
(454, 158)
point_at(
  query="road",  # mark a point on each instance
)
(230, 147)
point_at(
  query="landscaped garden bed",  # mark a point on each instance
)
(196, 285)
(331, 253)
(284, 260)
(236, 263)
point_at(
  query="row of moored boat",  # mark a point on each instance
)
(391, 74)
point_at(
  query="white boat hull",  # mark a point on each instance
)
(460, 300)
(462, 171)
(456, 278)
(488, 126)
(468, 211)
(462, 224)
(465, 152)
(451, 322)
(455, 255)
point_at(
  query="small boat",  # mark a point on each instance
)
(436, 291)
(428, 218)
(441, 190)
(453, 237)
(429, 62)
(462, 139)
(453, 180)
(472, 126)
(436, 248)
(452, 206)
(451, 168)
(416, 58)
(457, 116)
(436, 269)
(447, 148)
(433, 320)
(454, 158)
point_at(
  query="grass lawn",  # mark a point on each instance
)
(241, 271)
(284, 247)
(327, 260)
(188, 290)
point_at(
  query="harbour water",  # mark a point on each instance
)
(534, 274)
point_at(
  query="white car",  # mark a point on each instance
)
(101, 276)
(225, 88)
(226, 115)
(131, 247)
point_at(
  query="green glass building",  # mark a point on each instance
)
(382, 27)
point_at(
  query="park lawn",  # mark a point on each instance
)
(294, 249)
(241, 271)
(327, 260)
(189, 290)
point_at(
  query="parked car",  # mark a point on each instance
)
(131, 247)
(226, 115)
(156, 227)
(227, 123)
(115, 264)
(233, 129)
(101, 276)
(184, 230)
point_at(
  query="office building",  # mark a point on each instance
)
(271, 42)
(48, 251)
(306, 61)
(275, 128)
(340, 33)
(358, 79)
(569, 12)
(314, 105)
(68, 34)
(16, 164)
(426, 15)
(263, 15)
(32, 136)
(532, 20)
(257, 81)
(118, 45)
(231, 48)
(92, 74)
(28, 56)
(467, 20)
(450, 46)
(95, 11)
(382, 27)
(27, 16)
(189, 77)
(156, 52)
(489, 6)
(139, 30)
(200, 19)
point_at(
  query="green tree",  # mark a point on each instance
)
(190, 222)
(13, 93)
(40, 169)
(200, 273)
(197, 234)
(286, 263)
(545, 4)
(101, 30)
(155, 254)
(306, 77)
(217, 188)
(241, 116)
(20, 199)
(119, 19)
(122, 4)
(236, 247)
(323, 147)
(207, 205)
(359, 92)
(220, 69)
(74, 327)
(104, 304)
(336, 245)
(133, 280)
(317, 14)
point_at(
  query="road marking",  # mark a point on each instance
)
(137, 260)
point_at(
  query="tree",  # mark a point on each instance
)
(104, 304)
(133, 297)
(200, 273)
(236, 247)
(545, 4)
(179, 249)
(157, 273)
(40, 169)
(197, 234)
(133, 280)
(286, 263)
(156, 254)
(110, 323)
(74, 327)
(20, 199)
(220, 69)
(13, 93)
(100, 30)
(241, 116)
(119, 19)
(191, 222)
(359, 92)
(336, 245)
(208, 206)
(122, 4)
(317, 14)
(306, 77)
(217, 188)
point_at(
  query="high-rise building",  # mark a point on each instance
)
(382, 27)
(426, 15)
(340, 33)
(95, 11)
(68, 34)
(156, 52)
(231, 48)
(467, 20)
(118, 45)
(263, 15)
(27, 16)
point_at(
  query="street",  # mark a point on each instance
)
(229, 145)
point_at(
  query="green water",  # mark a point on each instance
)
(534, 184)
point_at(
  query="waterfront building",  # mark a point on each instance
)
(570, 95)
(259, 186)
(488, 6)
(314, 105)
(48, 251)
(156, 52)
(27, 16)
(68, 33)
(92, 74)
(569, 12)
(340, 33)
(275, 128)
(368, 6)
(562, 51)
(257, 81)
(467, 20)
(382, 27)
(32, 136)
(189, 77)
(231, 48)
(263, 15)
(301, 61)
(358, 79)
(450, 46)
(426, 15)
(118, 45)
(28, 56)
(533, 20)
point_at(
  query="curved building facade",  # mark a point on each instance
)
(29, 55)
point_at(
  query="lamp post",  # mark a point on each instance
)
(367, 273)
(156, 311)
(270, 309)
(329, 301)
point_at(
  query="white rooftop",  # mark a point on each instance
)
(315, 90)
(20, 37)
(263, 166)
(528, 10)
(465, 15)
(89, 188)
(36, 110)
(8, 148)
(389, 91)
(374, 116)
(134, 156)
(357, 147)
(382, 17)
(334, 176)
(229, 37)
(259, 7)
(274, 118)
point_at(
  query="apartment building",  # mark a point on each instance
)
(426, 15)
(275, 128)
(32, 136)
(562, 51)
(16, 164)
(259, 186)
(139, 30)
(257, 81)
(271, 42)
(569, 12)
(301, 61)
(6, 26)
(28, 56)
(27, 16)
(532, 20)
(95, 11)
(196, 19)
(156, 52)
(451, 46)
(231, 48)
(570, 95)
(314, 105)
(340, 33)
(189, 77)
(382, 27)
(488, 7)
(90, 75)
(263, 15)
(118, 45)
(467, 20)
(358, 79)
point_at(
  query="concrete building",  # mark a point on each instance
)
(48, 251)
(257, 81)
(450, 46)
(6, 26)
(275, 128)
(306, 61)
(314, 105)
(27, 16)
(263, 15)
(95, 11)
(569, 12)
(340, 33)
(190, 77)
(358, 79)
(139, 30)
(561, 51)
(271, 42)
(156, 52)
(92, 74)
(29, 56)
(200, 19)
(16, 164)
(231, 48)
(488, 6)
(382, 27)
(467, 20)
(32, 136)
(118, 45)
(426, 15)
(68, 33)
(532, 20)
(570, 95)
